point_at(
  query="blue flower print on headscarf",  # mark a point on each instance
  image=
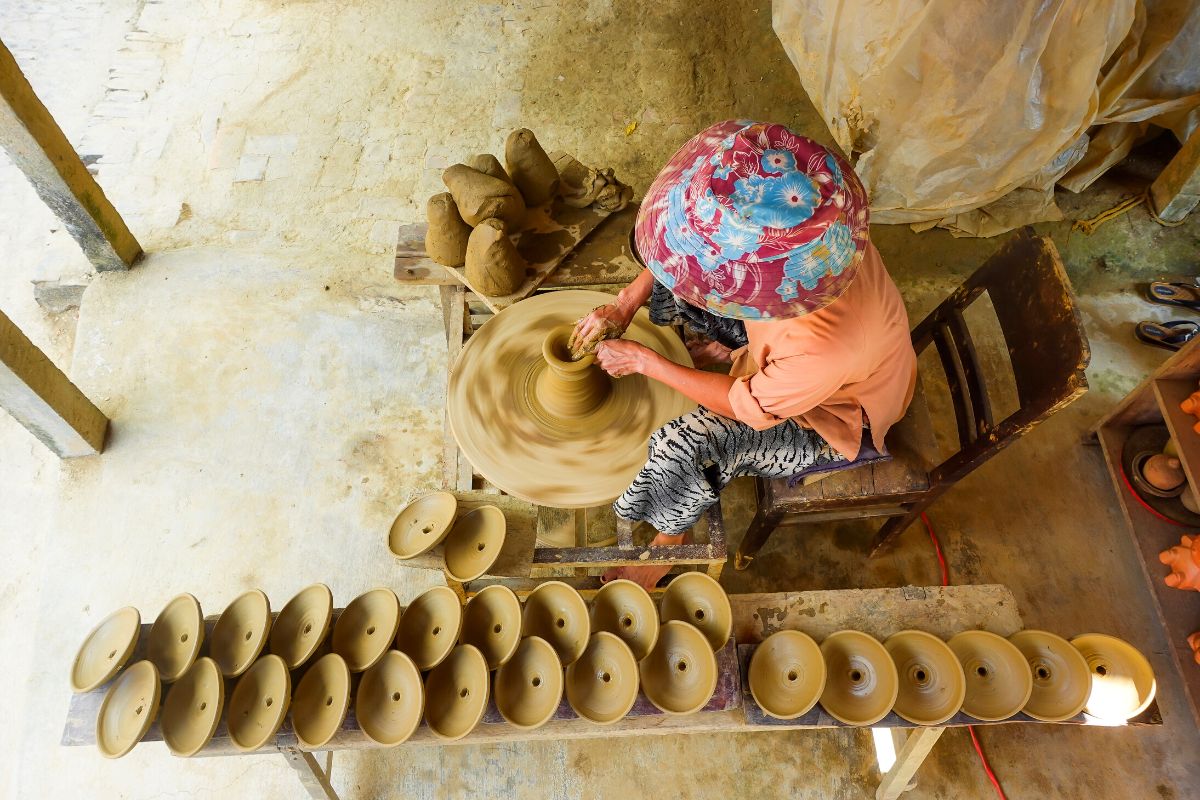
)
(777, 161)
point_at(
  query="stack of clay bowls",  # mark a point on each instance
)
(471, 541)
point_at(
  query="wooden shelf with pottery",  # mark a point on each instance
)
(516, 555)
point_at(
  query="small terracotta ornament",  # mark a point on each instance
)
(493, 265)
(447, 234)
(555, 612)
(422, 524)
(861, 683)
(680, 674)
(193, 708)
(106, 649)
(1194, 642)
(128, 709)
(999, 681)
(456, 693)
(787, 674)
(175, 637)
(241, 632)
(1061, 680)
(1184, 561)
(1123, 684)
(321, 701)
(602, 684)
(480, 196)
(492, 622)
(932, 685)
(529, 686)
(390, 700)
(530, 168)
(302, 625)
(1191, 405)
(624, 608)
(1163, 472)
(474, 543)
(259, 703)
(364, 631)
(697, 599)
(429, 626)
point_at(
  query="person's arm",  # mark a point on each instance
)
(710, 389)
(618, 313)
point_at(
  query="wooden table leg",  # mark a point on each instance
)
(912, 754)
(314, 779)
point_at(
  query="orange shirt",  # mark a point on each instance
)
(827, 368)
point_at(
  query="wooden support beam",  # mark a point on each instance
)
(1175, 193)
(39, 148)
(44, 400)
(916, 747)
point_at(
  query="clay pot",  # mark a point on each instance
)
(106, 649)
(456, 693)
(1182, 559)
(364, 631)
(861, 683)
(240, 633)
(624, 608)
(569, 389)
(698, 600)
(430, 626)
(128, 709)
(259, 703)
(680, 674)
(529, 686)
(1163, 472)
(932, 684)
(390, 700)
(175, 637)
(321, 701)
(193, 708)
(492, 622)
(602, 684)
(787, 674)
(1123, 682)
(555, 612)
(1061, 680)
(422, 524)
(999, 681)
(474, 543)
(302, 625)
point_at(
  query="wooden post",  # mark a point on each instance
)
(314, 779)
(1176, 191)
(39, 148)
(44, 400)
(916, 747)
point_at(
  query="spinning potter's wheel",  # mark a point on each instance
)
(546, 429)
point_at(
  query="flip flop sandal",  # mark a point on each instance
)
(1186, 295)
(1167, 335)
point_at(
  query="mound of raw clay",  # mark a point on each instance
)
(175, 637)
(488, 164)
(429, 626)
(366, 628)
(128, 709)
(302, 625)
(680, 674)
(697, 599)
(480, 196)
(456, 693)
(390, 700)
(932, 685)
(193, 708)
(240, 633)
(787, 674)
(259, 703)
(1061, 680)
(1123, 683)
(529, 686)
(582, 186)
(447, 234)
(106, 649)
(492, 622)
(999, 681)
(494, 266)
(555, 612)
(624, 609)
(861, 683)
(603, 684)
(321, 701)
(530, 168)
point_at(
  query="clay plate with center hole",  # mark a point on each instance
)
(787, 674)
(390, 700)
(555, 612)
(259, 703)
(1123, 682)
(422, 524)
(175, 637)
(624, 609)
(999, 680)
(529, 685)
(429, 626)
(1061, 679)
(932, 685)
(302, 625)
(321, 700)
(474, 543)
(603, 684)
(492, 622)
(193, 708)
(456, 693)
(364, 631)
(128, 709)
(240, 633)
(680, 674)
(861, 683)
(106, 649)
(697, 599)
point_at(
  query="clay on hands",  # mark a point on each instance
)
(493, 265)
(480, 196)
(607, 329)
(446, 237)
(530, 168)
(1184, 560)
(488, 164)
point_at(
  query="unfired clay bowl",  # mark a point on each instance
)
(106, 649)
(1061, 678)
(128, 709)
(624, 609)
(999, 680)
(529, 685)
(861, 682)
(492, 622)
(193, 708)
(240, 633)
(430, 626)
(787, 674)
(603, 684)
(698, 600)
(456, 693)
(259, 703)
(474, 543)
(364, 631)
(422, 524)
(321, 701)
(932, 685)
(175, 637)
(1123, 684)
(680, 674)
(302, 625)
(555, 612)
(390, 700)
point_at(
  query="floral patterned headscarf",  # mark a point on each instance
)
(751, 220)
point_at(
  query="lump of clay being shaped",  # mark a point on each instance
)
(390, 700)
(480, 196)
(530, 168)
(447, 234)
(494, 266)
(488, 164)
(128, 709)
(106, 649)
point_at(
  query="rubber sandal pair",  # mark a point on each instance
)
(1167, 293)
(1167, 335)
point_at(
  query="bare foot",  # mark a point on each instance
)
(647, 577)
(707, 353)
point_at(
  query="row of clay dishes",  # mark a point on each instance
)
(858, 680)
(472, 541)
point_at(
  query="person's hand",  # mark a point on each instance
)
(621, 357)
(604, 322)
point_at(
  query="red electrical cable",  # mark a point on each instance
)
(937, 548)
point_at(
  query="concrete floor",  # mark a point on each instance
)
(275, 396)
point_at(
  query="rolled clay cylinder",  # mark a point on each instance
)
(1185, 572)
(494, 266)
(488, 164)
(480, 196)
(447, 234)
(531, 169)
